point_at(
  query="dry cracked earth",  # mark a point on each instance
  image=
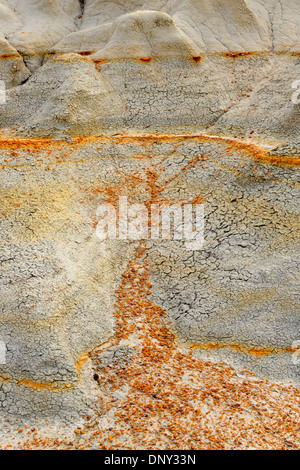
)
(145, 343)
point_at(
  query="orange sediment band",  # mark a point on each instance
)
(10, 56)
(49, 386)
(235, 55)
(255, 151)
(256, 351)
(230, 54)
(84, 358)
(43, 386)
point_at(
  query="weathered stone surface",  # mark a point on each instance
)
(102, 95)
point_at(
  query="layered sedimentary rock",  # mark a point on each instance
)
(163, 102)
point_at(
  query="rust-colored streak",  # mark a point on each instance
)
(229, 54)
(27, 144)
(256, 351)
(4, 378)
(254, 151)
(9, 56)
(84, 358)
(43, 386)
(235, 55)
(86, 53)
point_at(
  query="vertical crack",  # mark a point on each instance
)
(79, 18)
(82, 5)
(271, 19)
(81, 14)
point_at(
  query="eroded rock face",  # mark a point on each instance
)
(100, 96)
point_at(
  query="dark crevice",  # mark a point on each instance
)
(82, 6)
(79, 18)
(25, 58)
(25, 81)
